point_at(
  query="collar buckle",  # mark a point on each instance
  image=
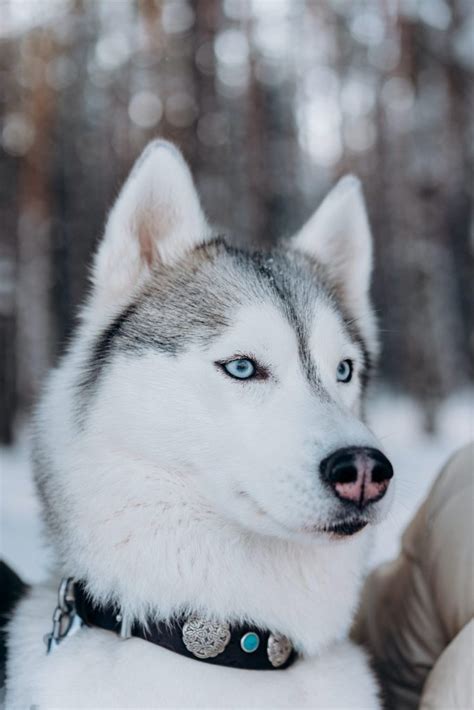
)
(65, 619)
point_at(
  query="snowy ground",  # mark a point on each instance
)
(396, 420)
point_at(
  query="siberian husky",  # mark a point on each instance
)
(202, 460)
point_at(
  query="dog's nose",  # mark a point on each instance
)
(357, 475)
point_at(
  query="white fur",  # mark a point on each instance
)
(184, 489)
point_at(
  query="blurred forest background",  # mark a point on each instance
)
(270, 101)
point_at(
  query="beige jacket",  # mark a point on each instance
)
(417, 612)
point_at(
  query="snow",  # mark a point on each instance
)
(396, 419)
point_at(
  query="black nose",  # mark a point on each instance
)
(357, 475)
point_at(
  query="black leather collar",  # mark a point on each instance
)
(234, 645)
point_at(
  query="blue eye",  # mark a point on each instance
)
(241, 369)
(344, 371)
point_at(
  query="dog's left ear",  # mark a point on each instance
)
(156, 218)
(338, 236)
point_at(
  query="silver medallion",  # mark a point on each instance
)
(204, 638)
(279, 649)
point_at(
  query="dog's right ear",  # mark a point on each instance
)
(157, 217)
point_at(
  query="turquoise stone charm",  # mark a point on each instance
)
(249, 642)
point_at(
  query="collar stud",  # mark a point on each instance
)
(279, 649)
(250, 642)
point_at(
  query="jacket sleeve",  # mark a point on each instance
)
(416, 614)
(450, 683)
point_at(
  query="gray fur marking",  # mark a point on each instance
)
(194, 301)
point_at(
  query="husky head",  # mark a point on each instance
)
(211, 389)
(239, 374)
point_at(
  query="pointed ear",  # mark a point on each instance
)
(156, 218)
(338, 237)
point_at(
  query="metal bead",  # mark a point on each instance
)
(204, 638)
(279, 649)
